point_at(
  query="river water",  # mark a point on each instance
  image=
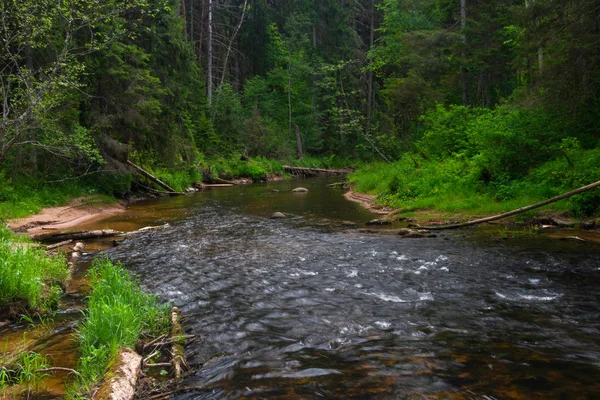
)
(301, 308)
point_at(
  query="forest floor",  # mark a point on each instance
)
(78, 211)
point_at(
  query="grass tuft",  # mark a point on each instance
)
(119, 313)
(28, 275)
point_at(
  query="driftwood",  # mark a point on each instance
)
(218, 185)
(57, 245)
(310, 172)
(54, 369)
(122, 377)
(222, 181)
(177, 347)
(519, 210)
(154, 179)
(75, 235)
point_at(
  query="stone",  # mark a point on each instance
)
(300, 190)
(278, 215)
(414, 233)
(379, 222)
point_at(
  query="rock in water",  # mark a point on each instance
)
(414, 233)
(278, 215)
(300, 190)
(379, 222)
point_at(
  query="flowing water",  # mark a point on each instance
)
(300, 308)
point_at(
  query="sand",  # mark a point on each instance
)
(77, 212)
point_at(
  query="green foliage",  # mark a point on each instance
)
(486, 161)
(27, 275)
(24, 196)
(119, 312)
(22, 372)
(233, 167)
(503, 143)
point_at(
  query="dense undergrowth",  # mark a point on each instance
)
(29, 280)
(485, 161)
(119, 314)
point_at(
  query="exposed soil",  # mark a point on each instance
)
(367, 201)
(75, 213)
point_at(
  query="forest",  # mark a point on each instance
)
(438, 103)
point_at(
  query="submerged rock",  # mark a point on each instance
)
(278, 215)
(300, 190)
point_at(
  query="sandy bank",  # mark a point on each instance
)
(77, 212)
(367, 201)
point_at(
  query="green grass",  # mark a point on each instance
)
(233, 167)
(119, 314)
(453, 185)
(25, 197)
(22, 372)
(27, 275)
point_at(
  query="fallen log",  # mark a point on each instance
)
(75, 235)
(222, 181)
(122, 377)
(517, 211)
(57, 245)
(218, 185)
(177, 347)
(309, 172)
(154, 179)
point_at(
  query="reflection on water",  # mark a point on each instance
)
(295, 309)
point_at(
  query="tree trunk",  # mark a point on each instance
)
(184, 20)
(209, 84)
(192, 23)
(370, 72)
(463, 26)
(298, 142)
(201, 41)
(154, 179)
(235, 32)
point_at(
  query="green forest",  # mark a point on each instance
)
(451, 104)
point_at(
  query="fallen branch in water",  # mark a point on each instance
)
(57, 245)
(517, 211)
(177, 347)
(52, 369)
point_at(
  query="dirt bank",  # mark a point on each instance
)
(77, 212)
(367, 201)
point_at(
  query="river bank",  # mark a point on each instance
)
(75, 213)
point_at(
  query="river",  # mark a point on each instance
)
(302, 308)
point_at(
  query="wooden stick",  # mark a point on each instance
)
(56, 245)
(519, 210)
(158, 365)
(52, 369)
